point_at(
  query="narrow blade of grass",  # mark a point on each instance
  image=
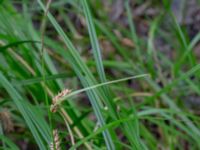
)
(102, 84)
(94, 41)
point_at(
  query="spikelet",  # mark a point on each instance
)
(6, 120)
(57, 97)
(55, 145)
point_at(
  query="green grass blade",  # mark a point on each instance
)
(132, 28)
(14, 44)
(102, 84)
(8, 142)
(188, 50)
(94, 41)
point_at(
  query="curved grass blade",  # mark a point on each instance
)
(101, 84)
(17, 43)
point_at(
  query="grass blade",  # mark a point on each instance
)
(94, 41)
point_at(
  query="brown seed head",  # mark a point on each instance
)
(6, 120)
(55, 145)
(57, 98)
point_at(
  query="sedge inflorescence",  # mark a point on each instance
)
(55, 145)
(57, 98)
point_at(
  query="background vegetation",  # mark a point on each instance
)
(127, 74)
